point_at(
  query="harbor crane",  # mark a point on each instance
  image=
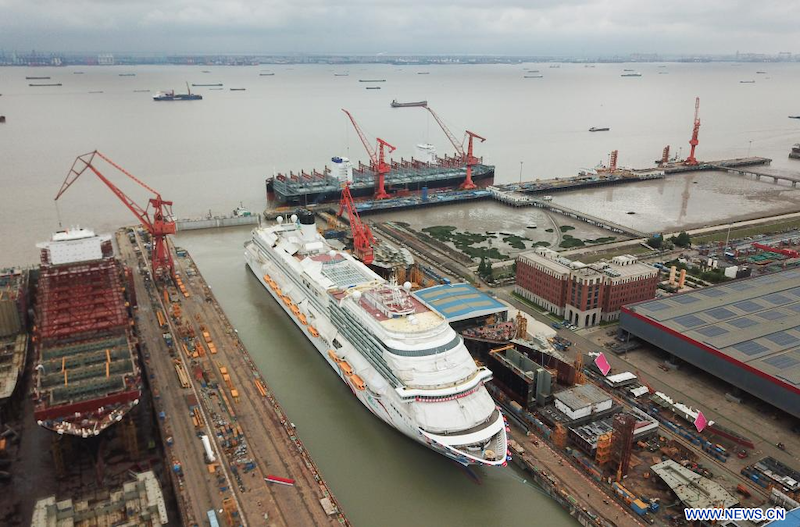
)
(466, 157)
(362, 235)
(158, 221)
(379, 165)
(691, 160)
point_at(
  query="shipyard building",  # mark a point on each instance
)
(583, 294)
(747, 333)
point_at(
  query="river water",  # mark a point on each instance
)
(214, 154)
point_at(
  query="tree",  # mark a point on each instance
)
(655, 241)
(683, 239)
(482, 267)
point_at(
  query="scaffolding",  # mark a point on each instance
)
(603, 454)
(560, 436)
(622, 442)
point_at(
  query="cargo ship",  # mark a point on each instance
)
(172, 96)
(86, 375)
(13, 329)
(415, 104)
(406, 177)
(398, 357)
(795, 153)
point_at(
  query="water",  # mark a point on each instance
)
(214, 154)
(380, 476)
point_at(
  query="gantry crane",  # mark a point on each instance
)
(691, 160)
(362, 235)
(466, 157)
(159, 224)
(378, 161)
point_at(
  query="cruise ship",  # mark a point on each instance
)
(400, 358)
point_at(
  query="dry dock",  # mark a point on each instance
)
(204, 383)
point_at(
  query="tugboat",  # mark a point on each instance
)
(795, 153)
(595, 129)
(172, 96)
(632, 74)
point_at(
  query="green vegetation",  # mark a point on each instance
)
(743, 232)
(682, 240)
(655, 242)
(568, 242)
(604, 239)
(567, 228)
(548, 230)
(712, 276)
(517, 242)
(482, 252)
(540, 244)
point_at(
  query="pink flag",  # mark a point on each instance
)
(700, 422)
(603, 364)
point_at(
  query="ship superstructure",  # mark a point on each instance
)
(86, 373)
(402, 360)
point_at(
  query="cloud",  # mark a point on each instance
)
(588, 27)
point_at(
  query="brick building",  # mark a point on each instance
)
(584, 294)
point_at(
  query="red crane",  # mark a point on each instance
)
(691, 160)
(379, 165)
(789, 253)
(466, 157)
(362, 236)
(159, 224)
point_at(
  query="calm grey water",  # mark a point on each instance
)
(214, 153)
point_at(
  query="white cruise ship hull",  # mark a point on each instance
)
(378, 397)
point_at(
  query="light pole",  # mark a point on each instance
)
(520, 172)
(749, 144)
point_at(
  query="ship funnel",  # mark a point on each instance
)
(308, 226)
(426, 153)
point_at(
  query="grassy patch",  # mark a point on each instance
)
(604, 239)
(568, 242)
(540, 244)
(480, 252)
(548, 230)
(744, 232)
(517, 242)
(443, 233)
(567, 228)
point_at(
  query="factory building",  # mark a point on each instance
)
(584, 294)
(747, 333)
(582, 401)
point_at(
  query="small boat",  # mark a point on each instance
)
(663, 73)
(747, 82)
(396, 104)
(371, 80)
(341, 74)
(77, 73)
(627, 70)
(212, 89)
(547, 198)
(141, 91)
(206, 85)
(37, 78)
(266, 74)
(533, 76)
(2, 118)
(596, 129)
(52, 84)
(238, 89)
(423, 73)
(555, 66)
(532, 226)
(794, 117)
(97, 91)
(205, 71)
(127, 74)
(373, 87)
(172, 96)
(532, 71)
(761, 73)
(634, 74)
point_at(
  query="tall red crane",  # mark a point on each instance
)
(379, 165)
(159, 223)
(466, 157)
(691, 160)
(362, 235)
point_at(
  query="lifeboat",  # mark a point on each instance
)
(335, 358)
(295, 309)
(302, 318)
(346, 368)
(313, 331)
(286, 300)
(358, 383)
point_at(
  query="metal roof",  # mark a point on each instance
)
(755, 322)
(459, 301)
(693, 489)
(582, 396)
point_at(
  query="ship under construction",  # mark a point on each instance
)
(86, 375)
(382, 177)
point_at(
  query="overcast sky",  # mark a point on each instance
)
(523, 27)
